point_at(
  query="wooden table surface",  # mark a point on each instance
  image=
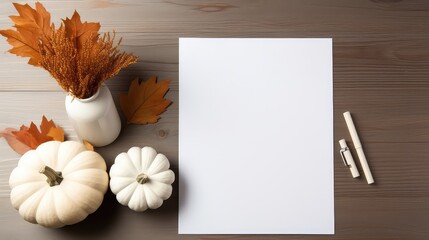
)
(381, 74)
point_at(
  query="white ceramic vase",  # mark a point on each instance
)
(95, 119)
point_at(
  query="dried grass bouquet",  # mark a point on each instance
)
(74, 54)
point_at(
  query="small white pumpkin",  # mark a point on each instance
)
(58, 184)
(141, 178)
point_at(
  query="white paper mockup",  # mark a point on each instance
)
(255, 136)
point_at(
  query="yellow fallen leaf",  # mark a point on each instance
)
(88, 145)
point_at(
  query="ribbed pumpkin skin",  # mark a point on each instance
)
(126, 170)
(79, 194)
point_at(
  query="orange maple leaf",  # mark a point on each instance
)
(31, 136)
(32, 26)
(27, 138)
(145, 102)
(80, 32)
(49, 129)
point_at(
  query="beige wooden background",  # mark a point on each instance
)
(381, 74)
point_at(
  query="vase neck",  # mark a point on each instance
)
(92, 98)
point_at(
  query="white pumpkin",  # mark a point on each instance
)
(141, 178)
(58, 184)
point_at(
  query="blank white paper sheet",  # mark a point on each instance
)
(255, 136)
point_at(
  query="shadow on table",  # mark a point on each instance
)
(96, 223)
(169, 208)
(106, 219)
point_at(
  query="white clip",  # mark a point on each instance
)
(348, 158)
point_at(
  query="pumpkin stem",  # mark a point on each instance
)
(142, 178)
(54, 177)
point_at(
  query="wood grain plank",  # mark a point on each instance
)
(384, 115)
(399, 169)
(277, 14)
(392, 53)
(394, 64)
(374, 218)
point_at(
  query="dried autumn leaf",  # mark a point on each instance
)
(80, 32)
(88, 145)
(27, 138)
(49, 129)
(31, 136)
(56, 133)
(145, 102)
(36, 20)
(14, 143)
(32, 26)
